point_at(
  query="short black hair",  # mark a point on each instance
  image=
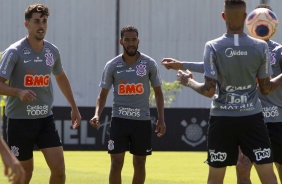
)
(228, 4)
(263, 6)
(128, 28)
(36, 8)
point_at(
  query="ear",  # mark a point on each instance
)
(25, 24)
(120, 41)
(245, 16)
(223, 15)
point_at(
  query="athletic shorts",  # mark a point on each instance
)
(132, 135)
(275, 134)
(23, 134)
(226, 134)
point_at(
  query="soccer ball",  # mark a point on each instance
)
(262, 23)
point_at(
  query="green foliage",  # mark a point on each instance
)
(170, 89)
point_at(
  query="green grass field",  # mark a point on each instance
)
(92, 167)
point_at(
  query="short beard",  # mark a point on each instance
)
(130, 54)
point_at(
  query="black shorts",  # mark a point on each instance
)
(23, 134)
(132, 135)
(275, 134)
(226, 134)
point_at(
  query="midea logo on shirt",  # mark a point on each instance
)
(230, 52)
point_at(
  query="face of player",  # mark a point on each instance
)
(130, 42)
(37, 26)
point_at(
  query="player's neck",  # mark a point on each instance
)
(234, 32)
(130, 59)
(35, 44)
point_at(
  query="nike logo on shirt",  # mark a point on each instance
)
(26, 61)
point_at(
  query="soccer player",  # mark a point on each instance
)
(27, 65)
(236, 117)
(130, 74)
(12, 167)
(271, 106)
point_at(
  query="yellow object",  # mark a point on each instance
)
(2, 104)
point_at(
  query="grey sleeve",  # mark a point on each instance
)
(107, 77)
(58, 68)
(265, 68)
(154, 74)
(9, 59)
(210, 62)
(194, 66)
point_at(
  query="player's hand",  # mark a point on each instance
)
(95, 122)
(26, 95)
(160, 128)
(16, 173)
(12, 167)
(184, 77)
(75, 118)
(170, 63)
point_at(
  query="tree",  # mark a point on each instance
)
(170, 89)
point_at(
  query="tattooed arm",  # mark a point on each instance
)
(206, 89)
(266, 85)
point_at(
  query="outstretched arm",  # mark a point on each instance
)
(267, 85)
(206, 89)
(170, 63)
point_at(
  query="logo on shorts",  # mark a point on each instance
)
(15, 150)
(261, 154)
(111, 145)
(149, 150)
(219, 156)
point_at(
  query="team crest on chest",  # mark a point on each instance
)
(141, 70)
(49, 59)
(272, 58)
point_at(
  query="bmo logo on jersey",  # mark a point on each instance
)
(130, 89)
(261, 154)
(36, 80)
(37, 110)
(217, 157)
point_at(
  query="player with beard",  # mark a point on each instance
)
(271, 106)
(27, 65)
(130, 74)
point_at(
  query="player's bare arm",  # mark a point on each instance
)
(100, 104)
(170, 63)
(160, 124)
(12, 167)
(65, 87)
(266, 85)
(24, 95)
(206, 89)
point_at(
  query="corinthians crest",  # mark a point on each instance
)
(141, 70)
(194, 134)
